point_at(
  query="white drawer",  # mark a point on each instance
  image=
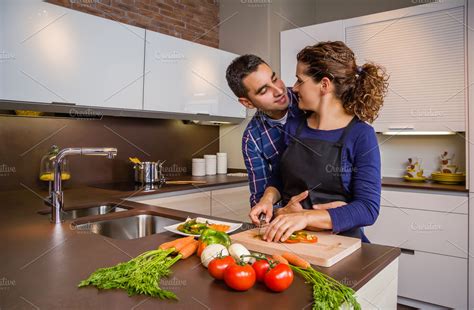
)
(231, 202)
(198, 202)
(437, 279)
(436, 232)
(434, 201)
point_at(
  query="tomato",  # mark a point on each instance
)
(260, 266)
(240, 277)
(218, 265)
(279, 278)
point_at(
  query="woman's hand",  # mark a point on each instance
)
(284, 225)
(329, 205)
(294, 204)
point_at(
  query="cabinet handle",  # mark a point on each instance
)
(63, 103)
(407, 251)
(401, 128)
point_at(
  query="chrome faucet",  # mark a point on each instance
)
(56, 199)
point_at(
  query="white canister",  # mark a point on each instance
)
(211, 164)
(221, 163)
(199, 167)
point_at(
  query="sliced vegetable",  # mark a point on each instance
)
(279, 259)
(211, 252)
(239, 252)
(240, 277)
(279, 277)
(301, 236)
(193, 227)
(296, 260)
(218, 265)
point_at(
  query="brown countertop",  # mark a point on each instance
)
(428, 185)
(41, 263)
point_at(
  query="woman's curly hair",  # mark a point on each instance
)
(361, 88)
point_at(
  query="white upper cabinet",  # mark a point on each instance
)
(185, 77)
(62, 55)
(294, 40)
(423, 49)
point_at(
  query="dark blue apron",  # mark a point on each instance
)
(316, 165)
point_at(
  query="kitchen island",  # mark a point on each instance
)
(42, 263)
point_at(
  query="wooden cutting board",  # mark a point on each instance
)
(329, 249)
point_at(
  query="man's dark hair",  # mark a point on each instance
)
(240, 68)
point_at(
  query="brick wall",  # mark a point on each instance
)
(193, 20)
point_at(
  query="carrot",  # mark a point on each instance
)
(296, 260)
(189, 249)
(279, 259)
(178, 244)
(201, 248)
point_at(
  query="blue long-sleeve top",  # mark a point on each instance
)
(361, 174)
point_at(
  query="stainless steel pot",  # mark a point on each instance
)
(149, 172)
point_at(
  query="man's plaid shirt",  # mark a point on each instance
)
(262, 145)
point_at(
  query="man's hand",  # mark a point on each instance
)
(263, 206)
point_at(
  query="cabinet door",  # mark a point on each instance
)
(435, 232)
(63, 55)
(423, 51)
(199, 203)
(185, 77)
(435, 279)
(294, 40)
(231, 203)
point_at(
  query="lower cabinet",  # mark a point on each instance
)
(231, 203)
(433, 278)
(196, 202)
(433, 266)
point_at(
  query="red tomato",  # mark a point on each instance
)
(279, 278)
(218, 265)
(260, 266)
(239, 277)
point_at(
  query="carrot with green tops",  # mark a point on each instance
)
(177, 244)
(189, 249)
(280, 259)
(296, 260)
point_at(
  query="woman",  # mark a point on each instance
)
(332, 154)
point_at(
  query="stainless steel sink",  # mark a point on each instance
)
(132, 227)
(102, 209)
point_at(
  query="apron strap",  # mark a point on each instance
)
(347, 129)
(300, 126)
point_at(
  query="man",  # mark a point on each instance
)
(258, 87)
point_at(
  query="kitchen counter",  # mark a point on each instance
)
(429, 185)
(42, 263)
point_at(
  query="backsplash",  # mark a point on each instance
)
(26, 139)
(395, 151)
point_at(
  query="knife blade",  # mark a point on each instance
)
(261, 218)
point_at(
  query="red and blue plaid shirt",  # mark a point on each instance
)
(262, 145)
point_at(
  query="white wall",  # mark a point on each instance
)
(395, 151)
